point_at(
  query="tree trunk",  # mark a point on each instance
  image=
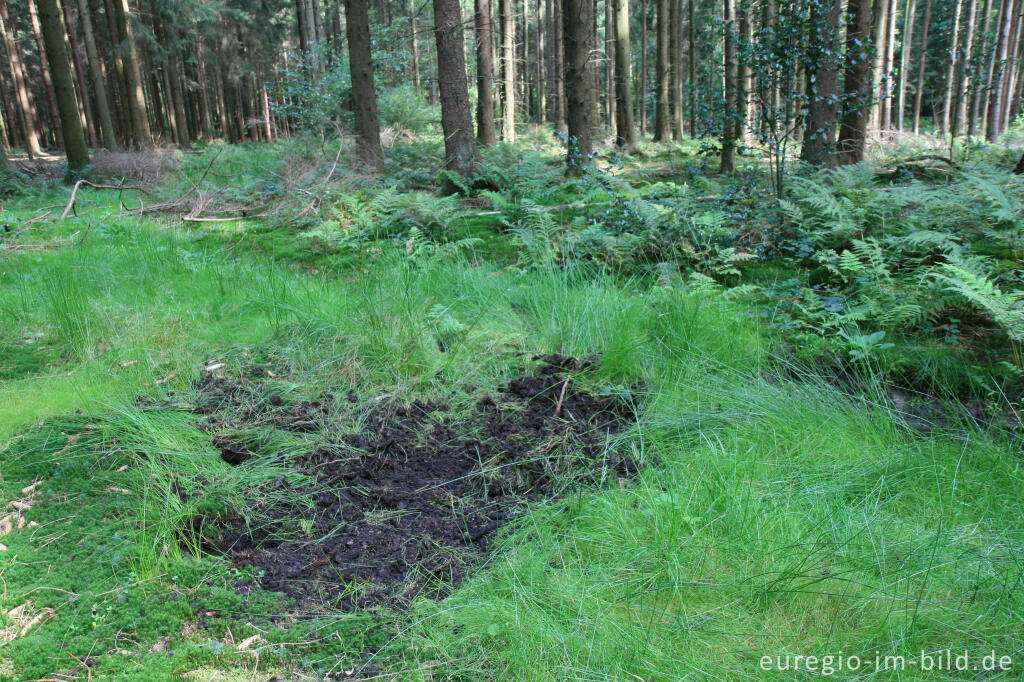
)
(661, 67)
(885, 104)
(135, 95)
(995, 97)
(561, 117)
(44, 69)
(905, 52)
(979, 83)
(27, 111)
(625, 128)
(99, 88)
(486, 132)
(541, 52)
(578, 32)
(609, 55)
(676, 67)
(922, 60)
(456, 121)
(954, 48)
(823, 86)
(880, 25)
(745, 83)
(1013, 59)
(64, 85)
(692, 62)
(852, 144)
(364, 96)
(508, 72)
(731, 98)
(965, 78)
(80, 75)
(643, 68)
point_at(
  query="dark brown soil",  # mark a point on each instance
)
(409, 502)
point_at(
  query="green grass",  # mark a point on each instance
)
(773, 515)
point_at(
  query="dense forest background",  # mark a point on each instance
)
(818, 76)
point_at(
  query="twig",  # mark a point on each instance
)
(561, 396)
(197, 219)
(74, 194)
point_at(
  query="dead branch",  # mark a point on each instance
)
(74, 194)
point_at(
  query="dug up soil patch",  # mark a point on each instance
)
(408, 502)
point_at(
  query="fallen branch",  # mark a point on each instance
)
(74, 194)
(561, 396)
(230, 219)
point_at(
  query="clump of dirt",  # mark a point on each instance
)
(407, 503)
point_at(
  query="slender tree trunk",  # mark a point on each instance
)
(51, 97)
(922, 60)
(979, 83)
(954, 49)
(880, 25)
(823, 89)
(578, 32)
(676, 67)
(905, 52)
(135, 94)
(21, 92)
(79, 73)
(692, 63)
(64, 85)
(99, 88)
(508, 72)
(3, 142)
(561, 115)
(626, 130)
(364, 96)
(995, 98)
(745, 82)
(461, 154)
(486, 133)
(610, 78)
(857, 83)
(662, 130)
(1013, 60)
(965, 78)
(542, 48)
(643, 68)
(885, 111)
(732, 103)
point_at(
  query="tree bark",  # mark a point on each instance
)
(21, 92)
(508, 72)
(364, 96)
(731, 99)
(880, 24)
(625, 128)
(976, 96)
(79, 73)
(561, 122)
(675, 79)
(64, 85)
(578, 32)
(51, 97)
(135, 94)
(745, 83)
(965, 74)
(461, 154)
(954, 48)
(905, 52)
(662, 130)
(609, 55)
(1013, 59)
(99, 88)
(922, 60)
(823, 86)
(885, 104)
(852, 144)
(995, 98)
(643, 68)
(541, 52)
(486, 132)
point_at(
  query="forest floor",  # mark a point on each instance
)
(224, 458)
